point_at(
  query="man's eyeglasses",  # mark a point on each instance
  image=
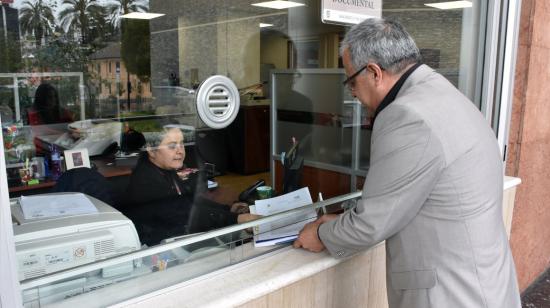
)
(349, 81)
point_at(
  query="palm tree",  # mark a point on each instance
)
(123, 7)
(116, 10)
(36, 18)
(78, 15)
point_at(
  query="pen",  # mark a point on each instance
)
(323, 209)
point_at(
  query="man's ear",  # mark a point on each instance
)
(376, 70)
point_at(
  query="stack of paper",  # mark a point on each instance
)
(51, 205)
(287, 229)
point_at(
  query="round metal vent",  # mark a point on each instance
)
(218, 101)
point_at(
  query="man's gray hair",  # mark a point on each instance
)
(381, 41)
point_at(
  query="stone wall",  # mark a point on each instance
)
(529, 143)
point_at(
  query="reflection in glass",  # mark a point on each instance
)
(122, 81)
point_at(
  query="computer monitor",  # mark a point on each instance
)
(293, 165)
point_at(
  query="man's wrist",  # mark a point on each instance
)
(319, 237)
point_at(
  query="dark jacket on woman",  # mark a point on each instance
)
(162, 205)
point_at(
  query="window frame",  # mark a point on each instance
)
(494, 90)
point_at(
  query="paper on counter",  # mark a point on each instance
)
(51, 205)
(287, 229)
(212, 184)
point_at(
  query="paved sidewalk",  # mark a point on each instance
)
(538, 294)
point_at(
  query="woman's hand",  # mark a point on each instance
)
(242, 218)
(239, 208)
(184, 173)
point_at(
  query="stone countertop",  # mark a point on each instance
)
(240, 283)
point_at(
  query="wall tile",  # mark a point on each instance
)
(525, 24)
(530, 146)
(537, 109)
(541, 24)
(530, 231)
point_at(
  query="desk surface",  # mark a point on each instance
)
(228, 191)
(107, 166)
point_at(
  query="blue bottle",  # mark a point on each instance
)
(55, 163)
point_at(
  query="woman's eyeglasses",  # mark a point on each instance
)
(174, 145)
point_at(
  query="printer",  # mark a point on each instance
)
(49, 244)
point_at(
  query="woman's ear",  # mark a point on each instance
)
(150, 151)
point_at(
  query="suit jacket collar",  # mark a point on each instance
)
(394, 91)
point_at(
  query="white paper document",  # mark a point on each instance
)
(212, 184)
(51, 205)
(287, 229)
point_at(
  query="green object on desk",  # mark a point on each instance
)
(264, 192)
(33, 182)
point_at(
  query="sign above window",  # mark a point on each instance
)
(348, 12)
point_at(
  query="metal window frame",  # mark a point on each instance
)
(497, 84)
(10, 289)
(501, 122)
(16, 76)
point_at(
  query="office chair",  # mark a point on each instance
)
(87, 181)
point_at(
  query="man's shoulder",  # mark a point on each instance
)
(398, 115)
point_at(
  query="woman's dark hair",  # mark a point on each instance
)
(46, 103)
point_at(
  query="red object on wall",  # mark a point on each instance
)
(6, 1)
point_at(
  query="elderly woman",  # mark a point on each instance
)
(161, 197)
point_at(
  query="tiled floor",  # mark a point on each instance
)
(538, 295)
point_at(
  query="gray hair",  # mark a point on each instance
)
(381, 41)
(154, 139)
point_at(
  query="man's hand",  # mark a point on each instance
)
(327, 217)
(308, 238)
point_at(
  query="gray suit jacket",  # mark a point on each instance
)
(434, 193)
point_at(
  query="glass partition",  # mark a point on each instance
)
(104, 101)
(121, 276)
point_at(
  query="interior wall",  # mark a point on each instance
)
(220, 45)
(239, 51)
(274, 50)
(529, 144)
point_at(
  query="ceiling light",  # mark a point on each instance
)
(139, 15)
(450, 5)
(262, 25)
(278, 4)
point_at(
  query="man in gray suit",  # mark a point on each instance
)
(434, 187)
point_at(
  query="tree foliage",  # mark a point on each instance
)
(77, 16)
(36, 18)
(123, 7)
(135, 49)
(10, 57)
